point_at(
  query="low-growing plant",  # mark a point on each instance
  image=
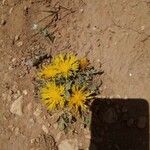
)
(67, 86)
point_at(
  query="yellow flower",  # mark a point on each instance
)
(83, 63)
(66, 64)
(49, 71)
(53, 95)
(78, 98)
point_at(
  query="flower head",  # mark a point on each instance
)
(49, 71)
(83, 63)
(53, 95)
(78, 98)
(66, 64)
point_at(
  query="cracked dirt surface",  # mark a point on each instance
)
(115, 35)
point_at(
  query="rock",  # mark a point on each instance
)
(44, 128)
(71, 144)
(141, 122)
(16, 107)
(110, 116)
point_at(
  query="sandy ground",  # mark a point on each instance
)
(115, 35)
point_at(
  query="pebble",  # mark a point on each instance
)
(142, 28)
(10, 10)
(25, 92)
(68, 144)
(3, 22)
(37, 112)
(130, 74)
(44, 128)
(81, 10)
(32, 141)
(31, 122)
(16, 131)
(141, 122)
(13, 60)
(94, 28)
(17, 94)
(19, 44)
(17, 37)
(29, 63)
(35, 27)
(16, 107)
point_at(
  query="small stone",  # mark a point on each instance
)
(31, 123)
(71, 144)
(37, 112)
(19, 44)
(35, 27)
(13, 60)
(17, 94)
(94, 28)
(44, 128)
(141, 122)
(16, 107)
(17, 37)
(81, 10)
(98, 60)
(142, 28)
(25, 92)
(29, 63)
(44, 117)
(3, 22)
(16, 131)
(48, 124)
(130, 74)
(10, 10)
(32, 141)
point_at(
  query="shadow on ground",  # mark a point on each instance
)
(119, 124)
